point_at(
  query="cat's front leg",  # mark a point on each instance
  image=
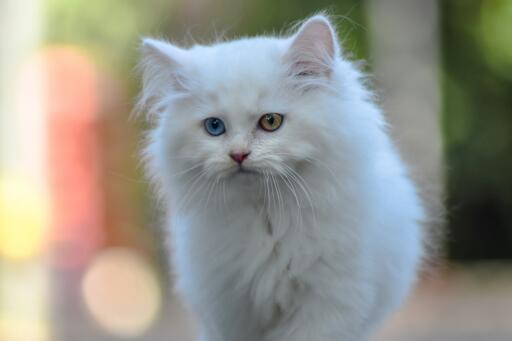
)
(208, 336)
(321, 319)
(205, 337)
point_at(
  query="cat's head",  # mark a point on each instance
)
(251, 106)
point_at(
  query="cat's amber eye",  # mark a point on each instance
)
(271, 121)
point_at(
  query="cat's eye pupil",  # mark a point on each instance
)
(270, 119)
(214, 126)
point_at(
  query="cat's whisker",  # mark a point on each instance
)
(211, 183)
(212, 189)
(272, 191)
(280, 203)
(302, 183)
(215, 191)
(267, 192)
(185, 171)
(192, 189)
(224, 194)
(263, 193)
(283, 206)
(271, 197)
(273, 205)
(274, 183)
(183, 158)
(202, 187)
(292, 190)
(304, 187)
(209, 187)
(312, 161)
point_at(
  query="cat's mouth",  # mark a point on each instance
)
(244, 171)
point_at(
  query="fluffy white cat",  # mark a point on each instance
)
(290, 212)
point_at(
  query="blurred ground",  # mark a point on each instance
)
(463, 304)
(471, 303)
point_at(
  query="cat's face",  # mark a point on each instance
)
(245, 108)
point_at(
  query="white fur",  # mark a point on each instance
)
(323, 241)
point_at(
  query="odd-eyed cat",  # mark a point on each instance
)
(290, 212)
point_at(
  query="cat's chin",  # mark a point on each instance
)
(244, 176)
(245, 172)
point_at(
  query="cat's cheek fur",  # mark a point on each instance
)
(324, 253)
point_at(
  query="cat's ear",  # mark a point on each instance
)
(163, 74)
(313, 49)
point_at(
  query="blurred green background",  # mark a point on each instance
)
(477, 127)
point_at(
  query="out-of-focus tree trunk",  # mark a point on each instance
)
(404, 44)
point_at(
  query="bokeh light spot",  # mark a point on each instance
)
(19, 329)
(23, 218)
(495, 33)
(121, 292)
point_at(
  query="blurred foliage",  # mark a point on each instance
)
(111, 29)
(477, 120)
(108, 29)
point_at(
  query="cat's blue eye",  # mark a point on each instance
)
(214, 126)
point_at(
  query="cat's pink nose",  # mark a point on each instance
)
(239, 157)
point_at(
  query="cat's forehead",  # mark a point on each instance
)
(251, 66)
(246, 50)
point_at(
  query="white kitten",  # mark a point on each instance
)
(291, 215)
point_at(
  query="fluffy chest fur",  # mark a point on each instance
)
(257, 254)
